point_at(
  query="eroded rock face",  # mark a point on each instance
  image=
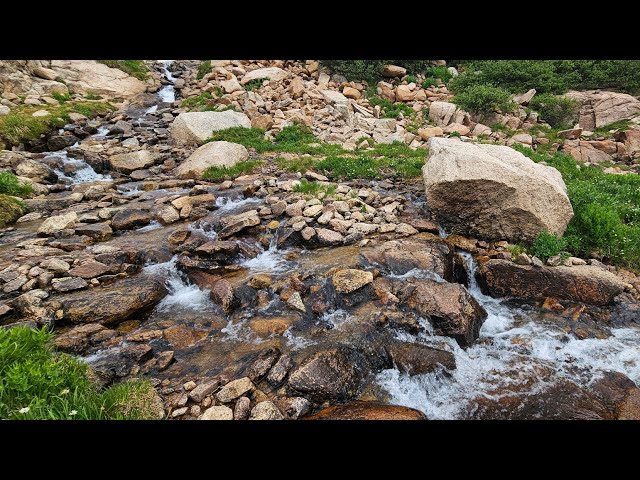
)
(452, 309)
(110, 304)
(493, 192)
(606, 107)
(368, 411)
(193, 128)
(336, 374)
(128, 162)
(579, 283)
(84, 76)
(213, 154)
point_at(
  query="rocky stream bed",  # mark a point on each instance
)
(244, 298)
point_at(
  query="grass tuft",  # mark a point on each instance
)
(135, 68)
(219, 174)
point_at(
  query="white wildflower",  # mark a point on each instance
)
(73, 412)
(24, 410)
(64, 392)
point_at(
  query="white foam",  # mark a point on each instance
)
(154, 225)
(505, 354)
(294, 341)
(83, 172)
(335, 318)
(182, 293)
(418, 273)
(227, 204)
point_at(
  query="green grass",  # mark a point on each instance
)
(299, 164)
(204, 68)
(315, 188)
(38, 383)
(254, 84)
(516, 250)
(204, 99)
(412, 79)
(10, 185)
(605, 130)
(11, 209)
(606, 210)
(434, 73)
(19, 125)
(135, 68)
(92, 96)
(219, 174)
(390, 110)
(430, 82)
(61, 97)
(371, 70)
(547, 245)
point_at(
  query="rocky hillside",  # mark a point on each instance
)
(274, 240)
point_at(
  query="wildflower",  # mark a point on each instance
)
(24, 410)
(73, 412)
(64, 392)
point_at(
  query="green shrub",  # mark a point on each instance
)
(92, 96)
(440, 72)
(10, 185)
(135, 68)
(254, 84)
(229, 173)
(371, 70)
(202, 100)
(61, 97)
(484, 98)
(390, 110)
(430, 82)
(547, 245)
(558, 111)
(550, 76)
(38, 383)
(204, 68)
(412, 79)
(606, 210)
(314, 188)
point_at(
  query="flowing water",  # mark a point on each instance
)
(82, 172)
(512, 347)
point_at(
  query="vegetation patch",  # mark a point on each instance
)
(547, 245)
(254, 84)
(484, 98)
(434, 74)
(38, 383)
(61, 97)
(204, 68)
(371, 70)
(135, 68)
(315, 188)
(606, 210)
(11, 209)
(20, 125)
(612, 128)
(391, 110)
(10, 185)
(92, 96)
(218, 174)
(558, 111)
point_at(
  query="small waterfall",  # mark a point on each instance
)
(83, 172)
(270, 260)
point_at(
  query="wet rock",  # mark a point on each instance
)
(166, 214)
(36, 171)
(110, 304)
(579, 283)
(164, 360)
(453, 311)
(58, 223)
(263, 364)
(266, 411)
(130, 218)
(279, 370)
(493, 191)
(198, 393)
(55, 265)
(77, 340)
(293, 407)
(235, 389)
(368, 411)
(222, 293)
(128, 162)
(194, 128)
(235, 223)
(260, 281)
(417, 358)
(295, 302)
(55, 201)
(423, 251)
(349, 280)
(89, 269)
(98, 232)
(67, 284)
(212, 154)
(335, 374)
(218, 412)
(242, 409)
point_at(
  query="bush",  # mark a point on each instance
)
(10, 185)
(204, 68)
(606, 210)
(558, 111)
(254, 84)
(547, 245)
(484, 98)
(390, 110)
(61, 97)
(550, 76)
(371, 70)
(38, 383)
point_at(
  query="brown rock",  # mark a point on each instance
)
(368, 411)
